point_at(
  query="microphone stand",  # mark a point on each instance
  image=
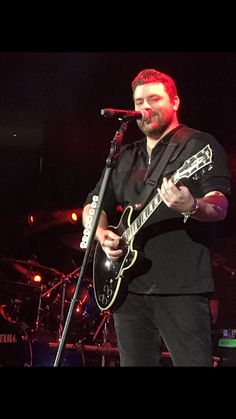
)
(110, 163)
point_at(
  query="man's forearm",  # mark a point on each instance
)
(212, 207)
(102, 224)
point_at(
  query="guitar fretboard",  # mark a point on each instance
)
(144, 215)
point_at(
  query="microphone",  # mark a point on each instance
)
(126, 114)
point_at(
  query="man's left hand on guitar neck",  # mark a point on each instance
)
(211, 207)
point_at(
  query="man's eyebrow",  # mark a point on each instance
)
(148, 97)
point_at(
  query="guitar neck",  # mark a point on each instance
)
(146, 213)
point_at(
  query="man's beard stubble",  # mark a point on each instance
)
(154, 129)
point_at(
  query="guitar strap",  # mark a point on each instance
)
(176, 143)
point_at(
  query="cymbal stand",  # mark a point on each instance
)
(105, 334)
(106, 315)
(63, 282)
(44, 311)
(39, 310)
(48, 292)
(65, 279)
(61, 315)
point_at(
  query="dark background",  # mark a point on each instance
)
(54, 142)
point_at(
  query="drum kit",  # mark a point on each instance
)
(34, 302)
(32, 317)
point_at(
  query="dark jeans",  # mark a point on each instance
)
(182, 321)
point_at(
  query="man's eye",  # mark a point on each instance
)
(153, 100)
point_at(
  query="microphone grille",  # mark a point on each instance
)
(146, 114)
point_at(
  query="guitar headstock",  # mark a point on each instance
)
(194, 163)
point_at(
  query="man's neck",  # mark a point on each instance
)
(152, 141)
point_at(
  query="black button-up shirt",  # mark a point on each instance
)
(177, 258)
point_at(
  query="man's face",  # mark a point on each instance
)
(153, 96)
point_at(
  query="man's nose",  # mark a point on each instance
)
(146, 105)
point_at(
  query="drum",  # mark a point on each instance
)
(15, 347)
(91, 333)
(18, 300)
(85, 315)
(20, 310)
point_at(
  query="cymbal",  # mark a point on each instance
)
(20, 289)
(31, 265)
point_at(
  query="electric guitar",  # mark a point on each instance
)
(110, 280)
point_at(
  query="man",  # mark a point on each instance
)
(168, 298)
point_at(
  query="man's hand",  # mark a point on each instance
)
(110, 243)
(174, 196)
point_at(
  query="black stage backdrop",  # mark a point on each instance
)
(54, 143)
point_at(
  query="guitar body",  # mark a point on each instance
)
(110, 280)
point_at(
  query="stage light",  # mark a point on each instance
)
(73, 217)
(31, 219)
(41, 219)
(37, 278)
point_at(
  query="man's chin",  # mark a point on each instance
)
(152, 128)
